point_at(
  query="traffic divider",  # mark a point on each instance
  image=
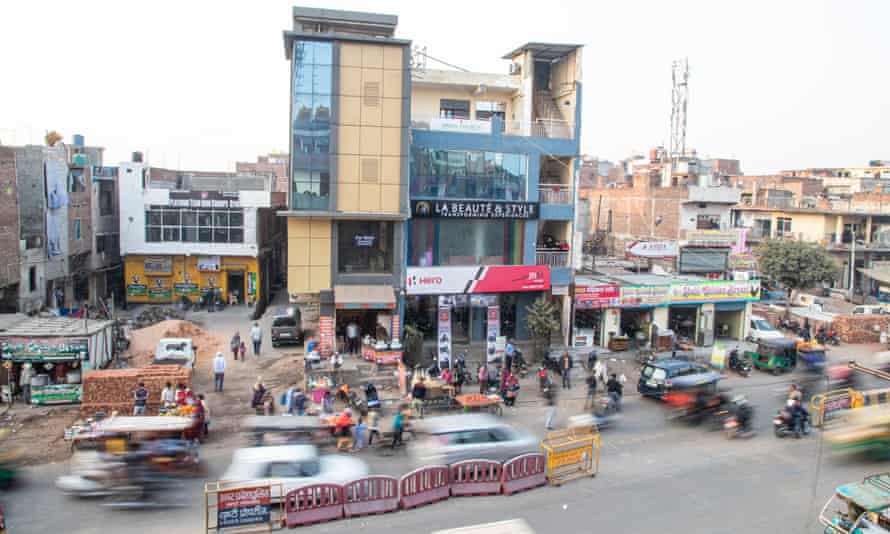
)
(370, 495)
(315, 503)
(424, 486)
(476, 477)
(523, 473)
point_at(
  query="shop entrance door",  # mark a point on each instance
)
(235, 287)
(460, 320)
(682, 320)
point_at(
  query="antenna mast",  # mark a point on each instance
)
(679, 96)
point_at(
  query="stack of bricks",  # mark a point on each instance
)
(112, 390)
(860, 328)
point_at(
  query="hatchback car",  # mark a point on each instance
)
(453, 438)
(286, 326)
(660, 376)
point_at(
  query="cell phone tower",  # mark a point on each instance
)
(679, 98)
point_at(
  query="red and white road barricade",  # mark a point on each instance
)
(313, 504)
(524, 472)
(424, 486)
(370, 495)
(475, 477)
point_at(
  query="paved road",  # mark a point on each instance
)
(655, 477)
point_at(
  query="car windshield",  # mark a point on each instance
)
(309, 468)
(761, 324)
(284, 321)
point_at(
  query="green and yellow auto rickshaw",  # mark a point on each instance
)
(859, 508)
(775, 355)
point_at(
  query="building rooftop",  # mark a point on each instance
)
(19, 326)
(474, 80)
(384, 23)
(545, 51)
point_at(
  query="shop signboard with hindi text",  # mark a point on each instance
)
(595, 297)
(652, 249)
(43, 349)
(733, 239)
(644, 296)
(243, 507)
(715, 291)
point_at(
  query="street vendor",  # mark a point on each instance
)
(418, 394)
(343, 424)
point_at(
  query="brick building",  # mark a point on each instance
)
(273, 164)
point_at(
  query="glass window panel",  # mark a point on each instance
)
(364, 246)
(205, 235)
(155, 217)
(171, 234)
(322, 79)
(321, 111)
(189, 234)
(323, 53)
(303, 76)
(152, 234)
(220, 235)
(189, 218)
(171, 217)
(236, 235)
(220, 219)
(236, 218)
(302, 111)
(205, 218)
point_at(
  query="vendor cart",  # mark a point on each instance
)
(477, 402)
(862, 507)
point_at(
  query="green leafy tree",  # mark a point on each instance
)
(541, 321)
(413, 345)
(795, 264)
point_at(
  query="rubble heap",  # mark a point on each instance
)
(155, 314)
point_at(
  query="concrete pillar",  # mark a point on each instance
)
(867, 229)
(746, 321)
(660, 317)
(611, 323)
(704, 330)
(838, 229)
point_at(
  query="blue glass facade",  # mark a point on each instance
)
(311, 137)
(468, 174)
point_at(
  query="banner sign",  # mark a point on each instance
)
(742, 262)
(490, 279)
(158, 264)
(734, 239)
(22, 348)
(160, 293)
(593, 297)
(244, 506)
(137, 290)
(443, 339)
(717, 290)
(208, 264)
(364, 240)
(185, 289)
(474, 209)
(251, 284)
(494, 330)
(644, 296)
(652, 249)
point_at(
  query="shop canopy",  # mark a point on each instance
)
(882, 275)
(364, 297)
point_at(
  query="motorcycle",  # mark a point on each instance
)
(783, 424)
(789, 324)
(739, 363)
(551, 363)
(372, 400)
(738, 423)
(827, 337)
(519, 364)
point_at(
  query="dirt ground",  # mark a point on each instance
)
(36, 433)
(144, 341)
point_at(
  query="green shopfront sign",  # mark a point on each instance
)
(43, 349)
(160, 293)
(56, 394)
(186, 289)
(137, 290)
(715, 291)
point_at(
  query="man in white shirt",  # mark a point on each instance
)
(219, 369)
(256, 335)
(352, 338)
(168, 396)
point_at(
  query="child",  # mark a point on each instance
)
(242, 349)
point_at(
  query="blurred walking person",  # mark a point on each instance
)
(219, 370)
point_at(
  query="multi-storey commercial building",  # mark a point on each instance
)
(273, 164)
(348, 196)
(184, 235)
(61, 227)
(494, 162)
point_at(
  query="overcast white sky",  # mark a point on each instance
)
(200, 84)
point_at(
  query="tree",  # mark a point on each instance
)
(795, 264)
(52, 137)
(541, 321)
(413, 345)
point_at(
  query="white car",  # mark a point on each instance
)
(762, 329)
(292, 465)
(453, 438)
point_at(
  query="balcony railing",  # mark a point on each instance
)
(552, 128)
(553, 258)
(555, 194)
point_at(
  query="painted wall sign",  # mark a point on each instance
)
(717, 290)
(208, 264)
(474, 209)
(593, 297)
(652, 249)
(644, 296)
(159, 265)
(490, 279)
(734, 239)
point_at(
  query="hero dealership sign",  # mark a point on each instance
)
(489, 279)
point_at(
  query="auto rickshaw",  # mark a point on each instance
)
(775, 355)
(813, 356)
(859, 508)
(8, 463)
(864, 431)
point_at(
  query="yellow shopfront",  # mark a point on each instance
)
(165, 279)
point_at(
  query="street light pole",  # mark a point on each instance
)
(852, 265)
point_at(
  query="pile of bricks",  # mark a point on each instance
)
(112, 390)
(860, 328)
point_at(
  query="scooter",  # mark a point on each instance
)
(519, 364)
(739, 363)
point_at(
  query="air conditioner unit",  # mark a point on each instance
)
(515, 68)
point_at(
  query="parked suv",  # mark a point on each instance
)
(286, 326)
(660, 376)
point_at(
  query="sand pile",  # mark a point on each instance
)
(144, 341)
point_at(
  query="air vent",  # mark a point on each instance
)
(371, 94)
(370, 170)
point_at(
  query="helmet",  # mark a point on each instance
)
(789, 403)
